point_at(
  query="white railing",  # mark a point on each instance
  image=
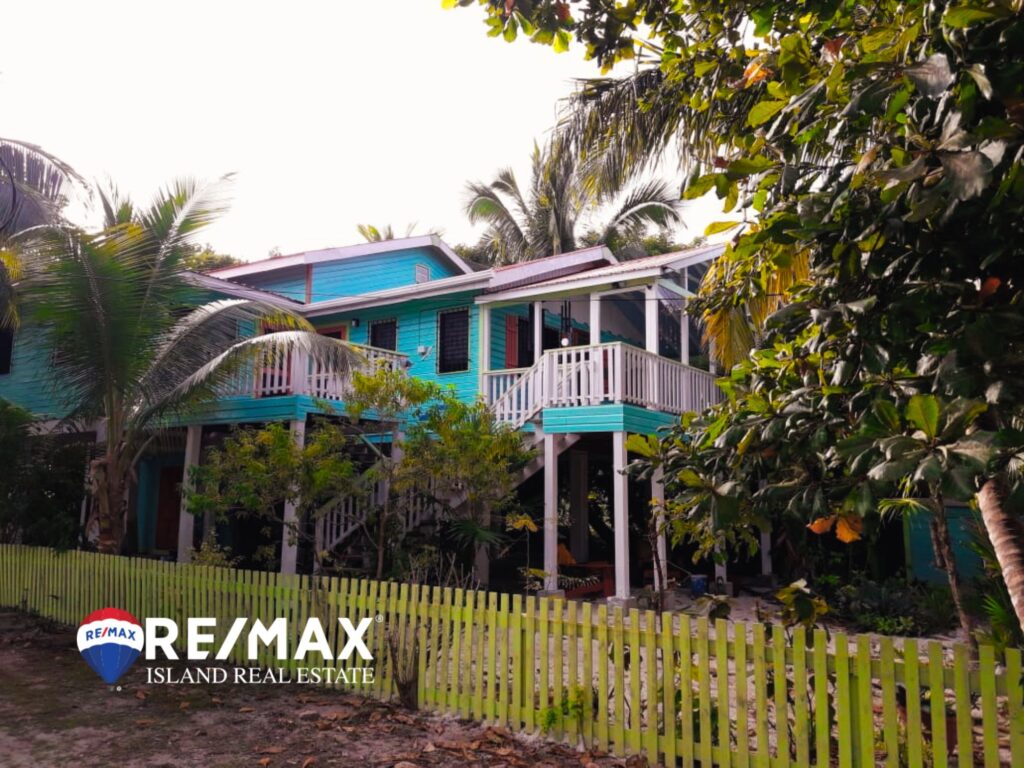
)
(296, 374)
(602, 373)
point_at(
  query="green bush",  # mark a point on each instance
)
(890, 607)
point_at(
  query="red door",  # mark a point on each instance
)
(168, 508)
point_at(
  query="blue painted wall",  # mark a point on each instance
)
(290, 282)
(605, 418)
(921, 556)
(352, 277)
(30, 383)
(417, 327)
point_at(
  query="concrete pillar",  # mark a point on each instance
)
(620, 516)
(289, 546)
(579, 504)
(550, 515)
(658, 498)
(186, 521)
(538, 330)
(595, 318)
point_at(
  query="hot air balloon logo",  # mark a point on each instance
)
(110, 640)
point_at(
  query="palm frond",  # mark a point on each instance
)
(651, 203)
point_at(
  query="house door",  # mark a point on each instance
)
(168, 508)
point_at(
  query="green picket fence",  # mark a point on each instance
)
(677, 689)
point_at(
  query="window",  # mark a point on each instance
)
(422, 273)
(6, 350)
(453, 341)
(384, 334)
(337, 332)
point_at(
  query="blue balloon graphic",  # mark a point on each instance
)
(110, 640)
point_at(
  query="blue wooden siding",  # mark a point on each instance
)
(30, 384)
(290, 282)
(605, 418)
(417, 327)
(365, 274)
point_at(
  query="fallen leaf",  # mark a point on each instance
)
(144, 722)
(271, 750)
(215, 700)
(140, 694)
(185, 705)
(308, 762)
(247, 709)
(430, 747)
(264, 761)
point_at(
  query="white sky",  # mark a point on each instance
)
(331, 113)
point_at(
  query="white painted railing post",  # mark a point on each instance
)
(186, 520)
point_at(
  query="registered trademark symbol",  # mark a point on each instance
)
(380, 618)
(119, 689)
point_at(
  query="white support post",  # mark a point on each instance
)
(186, 521)
(550, 515)
(579, 504)
(595, 318)
(766, 552)
(651, 314)
(620, 517)
(485, 339)
(289, 544)
(651, 317)
(684, 335)
(538, 330)
(658, 498)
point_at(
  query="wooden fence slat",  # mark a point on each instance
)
(651, 684)
(1015, 704)
(739, 634)
(634, 705)
(937, 705)
(722, 688)
(889, 717)
(912, 683)
(989, 715)
(668, 690)
(618, 662)
(962, 698)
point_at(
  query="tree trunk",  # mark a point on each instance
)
(944, 557)
(1006, 533)
(382, 531)
(108, 488)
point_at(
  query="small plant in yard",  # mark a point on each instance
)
(574, 707)
(210, 553)
(800, 606)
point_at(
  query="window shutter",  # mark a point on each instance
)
(384, 334)
(453, 341)
(511, 341)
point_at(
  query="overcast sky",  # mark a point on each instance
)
(331, 113)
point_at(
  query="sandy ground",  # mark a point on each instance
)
(54, 711)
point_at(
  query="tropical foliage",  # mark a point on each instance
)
(883, 145)
(134, 343)
(549, 217)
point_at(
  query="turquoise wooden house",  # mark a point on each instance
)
(576, 351)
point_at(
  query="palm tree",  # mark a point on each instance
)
(563, 192)
(131, 348)
(32, 186)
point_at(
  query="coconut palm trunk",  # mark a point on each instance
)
(1006, 532)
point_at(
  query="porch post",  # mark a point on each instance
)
(186, 521)
(289, 545)
(579, 504)
(620, 517)
(658, 497)
(485, 338)
(651, 313)
(684, 335)
(595, 318)
(766, 552)
(651, 318)
(550, 515)
(538, 330)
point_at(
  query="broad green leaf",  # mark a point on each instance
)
(923, 412)
(764, 111)
(720, 226)
(965, 16)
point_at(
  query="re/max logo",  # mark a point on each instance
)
(163, 633)
(111, 633)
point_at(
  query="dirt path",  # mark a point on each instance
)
(54, 711)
